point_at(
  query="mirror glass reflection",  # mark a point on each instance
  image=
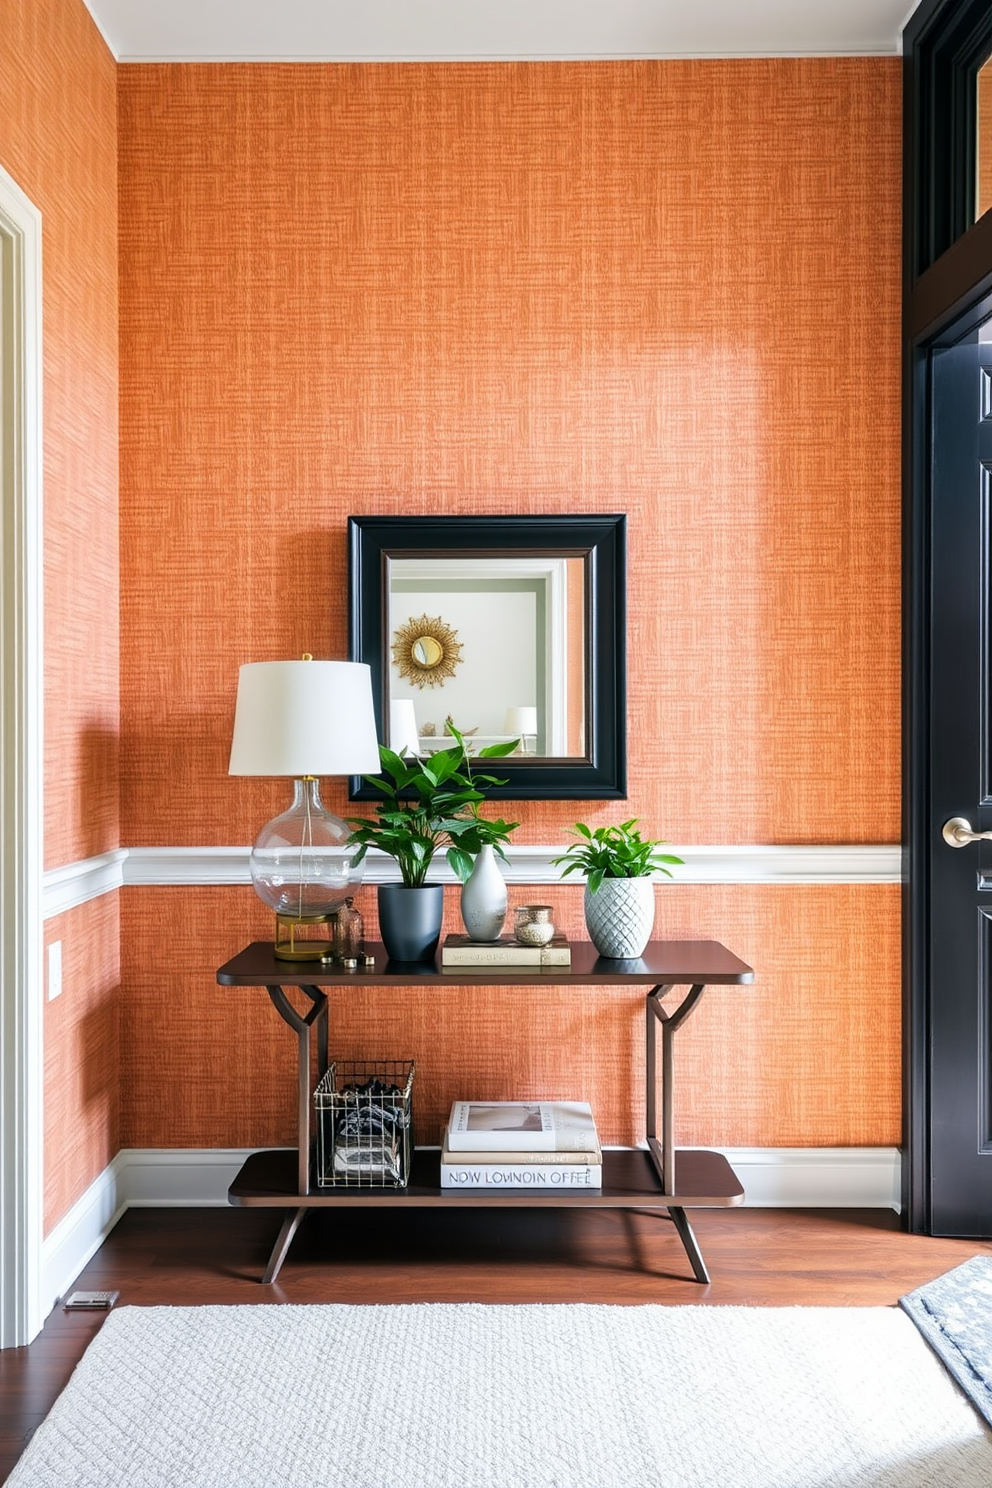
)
(983, 139)
(495, 645)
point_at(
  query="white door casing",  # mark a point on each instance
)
(21, 821)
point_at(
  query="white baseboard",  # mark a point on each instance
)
(818, 1177)
(137, 1178)
(80, 1233)
(181, 1177)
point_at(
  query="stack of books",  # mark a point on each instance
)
(542, 1145)
(459, 950)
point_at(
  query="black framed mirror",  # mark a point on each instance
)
(506, 627)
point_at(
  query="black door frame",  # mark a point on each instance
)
(947, 278)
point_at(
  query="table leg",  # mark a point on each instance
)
(689, 1244)
(319, 998)
(304, 1026)
(284, 1240)
(651, 1077)
(663, 1151)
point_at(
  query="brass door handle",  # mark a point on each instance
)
(957, 832)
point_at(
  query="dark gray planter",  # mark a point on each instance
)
(410, 921)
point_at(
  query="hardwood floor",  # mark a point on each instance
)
(758, 1257)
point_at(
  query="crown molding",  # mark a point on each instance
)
(184, 31)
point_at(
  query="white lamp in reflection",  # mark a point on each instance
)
(522, 724)
(403, 736)
(304, 719)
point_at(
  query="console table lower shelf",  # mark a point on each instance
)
(703, 1179)
(662, 1178)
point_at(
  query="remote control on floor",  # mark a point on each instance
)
(90, 1301)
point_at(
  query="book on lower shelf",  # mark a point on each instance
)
(459, 950)
(521, 1127)
(544, 1177)
(591, 1159)
(539, 1170)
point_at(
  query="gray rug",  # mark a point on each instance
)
(472, 1396)
(954, 1314)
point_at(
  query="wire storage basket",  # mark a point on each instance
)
(363, 1110)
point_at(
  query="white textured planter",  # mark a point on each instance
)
(484, 898)
(620, 916)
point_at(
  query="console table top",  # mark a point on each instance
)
(664, 961)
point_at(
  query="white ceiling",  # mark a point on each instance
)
(449, 30)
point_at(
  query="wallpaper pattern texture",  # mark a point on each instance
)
(801, 1058)
(670, 289)
(58, 140)
(82, 1054)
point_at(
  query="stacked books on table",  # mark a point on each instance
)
(459, 951)
(547, 1146)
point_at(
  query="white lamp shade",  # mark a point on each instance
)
(520, 721)
(403, 727)
(304, 718)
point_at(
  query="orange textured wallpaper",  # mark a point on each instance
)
(82, 1054)
(802, 1058)
(665, 288)
(58, 139)
(984, 151)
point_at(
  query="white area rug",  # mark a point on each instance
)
(439, 1396)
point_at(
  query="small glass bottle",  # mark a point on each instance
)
(349, 932)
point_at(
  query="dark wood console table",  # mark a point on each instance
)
(659, 1178)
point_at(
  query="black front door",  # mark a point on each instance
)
(960, 972)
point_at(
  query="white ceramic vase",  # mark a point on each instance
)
(620, 916)
(484, 898)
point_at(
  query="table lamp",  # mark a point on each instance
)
(523, 723)
(304, 719)
(403, 737)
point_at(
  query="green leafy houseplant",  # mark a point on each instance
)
(430, 803)
(614, 852)
(619, 899)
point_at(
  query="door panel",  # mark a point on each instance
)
(961, 786)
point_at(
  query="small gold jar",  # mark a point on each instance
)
(533, 925)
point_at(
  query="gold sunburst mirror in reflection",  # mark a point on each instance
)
(427, 651)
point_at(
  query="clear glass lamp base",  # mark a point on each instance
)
(303, 868)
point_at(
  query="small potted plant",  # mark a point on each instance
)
(619, 899)
(428, 804)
